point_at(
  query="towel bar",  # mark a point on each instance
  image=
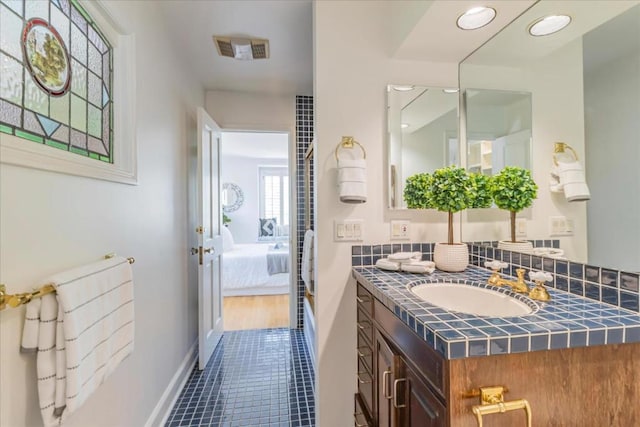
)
(15, 300)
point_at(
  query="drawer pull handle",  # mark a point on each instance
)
(355, 417)
(385, 385)
(362, 328)
(361, 354)
(395, 393)
(362, 300)
(361, 381)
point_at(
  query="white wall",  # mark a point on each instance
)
(251, 111)
(50, 222)
(425, 150)
(243, 171)
(557, 115)
(350, 99)
(612, 128)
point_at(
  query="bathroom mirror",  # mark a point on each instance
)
(584, 83)
(498, 130)
(422, 126)
(232, 197)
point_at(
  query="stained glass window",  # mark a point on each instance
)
(56, 77)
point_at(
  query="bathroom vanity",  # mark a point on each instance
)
(574, 360)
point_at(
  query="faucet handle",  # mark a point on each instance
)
(496, 265)
(539, 292)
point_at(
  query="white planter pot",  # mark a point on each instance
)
(525, 247)
(452, 258)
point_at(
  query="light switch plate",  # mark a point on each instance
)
(348, 230)
(521, 227)
(560, 226)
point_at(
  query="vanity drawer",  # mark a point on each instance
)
(361, 418)
(365, 352)
(365, 326)
(365, 385)
(364, 299)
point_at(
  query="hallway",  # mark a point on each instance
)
(254, 378)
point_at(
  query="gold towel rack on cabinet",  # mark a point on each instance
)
(492, 402)
(15, 300)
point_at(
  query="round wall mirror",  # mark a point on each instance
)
(232, 197)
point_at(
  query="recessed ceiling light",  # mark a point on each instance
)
(549, 25)
(475, 18)
(403, 88)
(450, 90)
(404, 125)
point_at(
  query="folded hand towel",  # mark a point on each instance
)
(405, 256)
(307, 260)
(385, 264)
(84, 332)
(353, 192)
(352, 163)
(425, 267)
(352, 174)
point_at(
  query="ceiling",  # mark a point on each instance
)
(258, 145)
(417, 30)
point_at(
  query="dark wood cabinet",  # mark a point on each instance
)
(398, 394)
(404, 382)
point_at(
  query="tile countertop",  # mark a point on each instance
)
(566, 321)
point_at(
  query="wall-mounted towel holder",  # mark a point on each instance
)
(15, 300)
(348, 142)
(561, 148)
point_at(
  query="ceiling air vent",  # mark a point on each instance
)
(244, 49)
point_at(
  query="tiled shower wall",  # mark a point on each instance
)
(304, 136)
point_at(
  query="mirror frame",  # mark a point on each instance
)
(228, 186)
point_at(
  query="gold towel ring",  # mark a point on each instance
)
(560, 147)
(347, 142)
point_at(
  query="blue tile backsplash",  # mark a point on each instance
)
(569, 320)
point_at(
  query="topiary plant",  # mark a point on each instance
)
(449, 192)
(513, 189)
(416, 191)
(480, 191)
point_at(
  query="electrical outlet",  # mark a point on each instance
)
(400, 229)
(521, 227)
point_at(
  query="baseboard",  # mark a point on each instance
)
(309, 330)
(177, 383)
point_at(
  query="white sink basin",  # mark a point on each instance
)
(471, 300)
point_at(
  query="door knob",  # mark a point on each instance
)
(194, 251)
(208, 250)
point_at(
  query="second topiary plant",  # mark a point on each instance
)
(514, 189)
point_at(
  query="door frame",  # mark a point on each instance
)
(293, 211)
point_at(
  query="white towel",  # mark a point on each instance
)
(424, 267)
(569, 177)
(352, 182)
(386, 264)
(307, 261)
(82, 334)
(405, 256)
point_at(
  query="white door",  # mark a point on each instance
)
(210, 325)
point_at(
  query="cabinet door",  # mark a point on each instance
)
(388, 369)
(420, 406)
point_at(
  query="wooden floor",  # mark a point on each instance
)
(256, 312)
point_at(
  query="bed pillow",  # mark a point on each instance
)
(227, 239)
(267, 227)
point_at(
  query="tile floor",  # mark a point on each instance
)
(261, 377)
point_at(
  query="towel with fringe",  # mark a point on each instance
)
(80, 334)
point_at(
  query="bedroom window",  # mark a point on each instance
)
(274, 196)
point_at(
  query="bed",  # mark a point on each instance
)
(255, 269)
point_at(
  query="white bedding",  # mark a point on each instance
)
(244, 271)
